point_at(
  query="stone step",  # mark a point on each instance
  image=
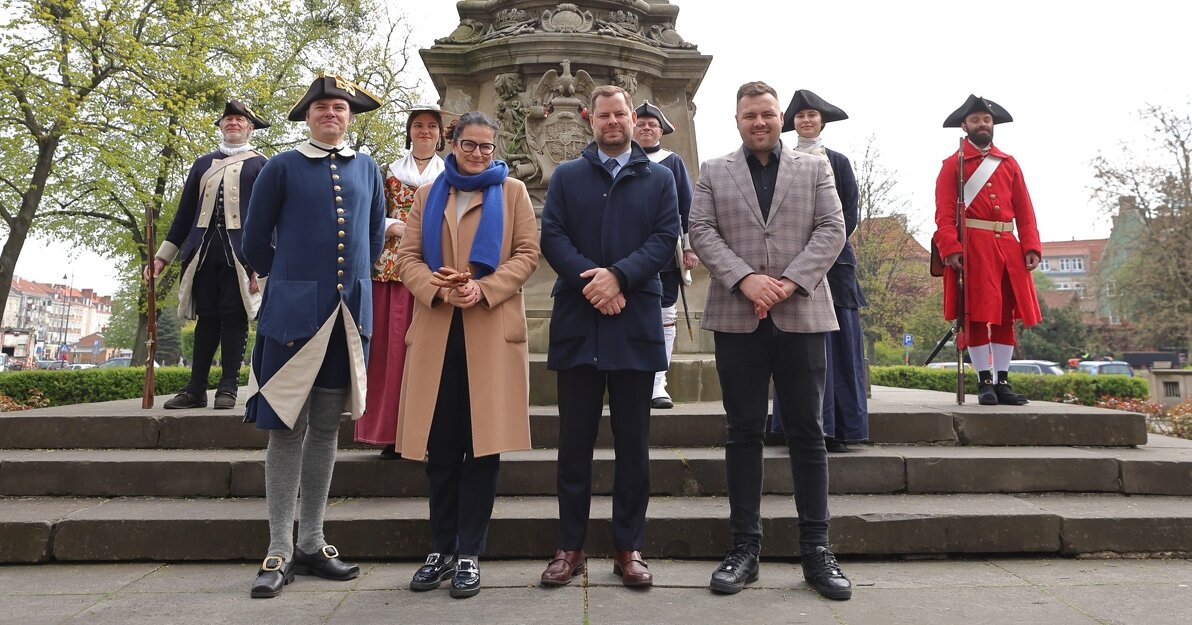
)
(699, 471)
(99, 529)
(897, 416)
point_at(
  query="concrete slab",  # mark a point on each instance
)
(74, 579)
(43, 609)
(1152, 604)
(493, 606)
(1008, 470)
(297, 608)
(1057, 572)
(952, 605)
(1139, 524)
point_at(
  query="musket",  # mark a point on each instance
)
(151, 314)
(961, 277)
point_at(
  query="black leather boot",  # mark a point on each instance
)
(986, 394)
(1005, 393)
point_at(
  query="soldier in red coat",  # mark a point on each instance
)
(997, 264)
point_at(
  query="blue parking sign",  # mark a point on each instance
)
(908, 340)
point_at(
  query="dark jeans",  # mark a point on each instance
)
(463, 487)
(797, 364)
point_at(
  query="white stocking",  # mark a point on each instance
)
(669, 314)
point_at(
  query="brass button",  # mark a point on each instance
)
(340, 220)
(340, 211)
(340, 246)
(290, 344)
(993, 196)
(341, 234)
(340, 260)
(336, 187)
(335, 176)
(338, 199)
(997, 208)
(339, 287)
(333, 166)
(988, 184)
(340, 273)
(997, 235)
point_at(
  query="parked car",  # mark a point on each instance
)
(1105, 367)
(1042, 367)
(53, 365)
(78, 366)
(950, 365)
(120, 361)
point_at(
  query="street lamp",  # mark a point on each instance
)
(66, 321)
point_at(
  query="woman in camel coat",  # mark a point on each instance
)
(471, 244)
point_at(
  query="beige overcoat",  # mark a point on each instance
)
(494, 329)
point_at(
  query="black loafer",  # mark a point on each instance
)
(324, 563)
(466, 581)
(275, 573)
(1007, 397)
(662, 402)
(835, 446)
(822, 573)
(185, 399)
(438, 568)
(986, 395)
(739, 567)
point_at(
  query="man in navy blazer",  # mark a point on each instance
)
(609, 225)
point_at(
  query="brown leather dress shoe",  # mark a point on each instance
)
(633, 569)
(564, 566)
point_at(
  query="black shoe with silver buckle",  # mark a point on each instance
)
(324, 563)
(438, 568)
(740, 567)
(822, 573)
(466, 581)
(275, 573)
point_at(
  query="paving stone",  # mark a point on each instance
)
(1154, 470)
(1152, 604)
(1094, 572)
(74, 579)
(183, 473)
(43, 609)
(953, 605)
(1044, 423)
(493, 606)
(65, 427)
(292, 608)
(27, 525)
(1138, 524)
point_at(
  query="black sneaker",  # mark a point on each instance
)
(740, 567)
(437, 569)
(186, 399)
(466, 581)
(822, 573)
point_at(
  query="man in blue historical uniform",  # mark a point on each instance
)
(651, 126)
(609, 224)
(317, 225)
(217, 285)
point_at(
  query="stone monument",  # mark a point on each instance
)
(532, 65)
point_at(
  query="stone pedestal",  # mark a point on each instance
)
(532, 65)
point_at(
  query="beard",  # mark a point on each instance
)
(981, 138)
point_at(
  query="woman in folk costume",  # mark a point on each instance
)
(393, 304)
(846, 410)
(472, 245)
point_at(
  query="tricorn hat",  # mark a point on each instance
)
(236, 107)
(804, 99)
(413, 112)
(649, 110)
(333, 86)
(977, 105)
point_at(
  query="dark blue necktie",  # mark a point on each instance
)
(611, 165)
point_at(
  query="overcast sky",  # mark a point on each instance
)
(1073, 75)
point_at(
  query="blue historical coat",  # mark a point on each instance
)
(630, 225)
(842, 277)
(315, 227)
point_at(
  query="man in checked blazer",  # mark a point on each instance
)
(767, 223)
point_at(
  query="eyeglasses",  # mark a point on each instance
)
(652, 125)
(469, 146)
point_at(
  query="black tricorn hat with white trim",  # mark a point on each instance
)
(975, 104)
(804, 99)
(649, 110)
(236, 107)
(332, 86)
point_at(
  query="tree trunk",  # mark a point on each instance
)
(18, 228)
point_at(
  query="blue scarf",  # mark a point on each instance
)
(486, 246)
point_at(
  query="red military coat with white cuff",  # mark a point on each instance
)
(989, 254)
